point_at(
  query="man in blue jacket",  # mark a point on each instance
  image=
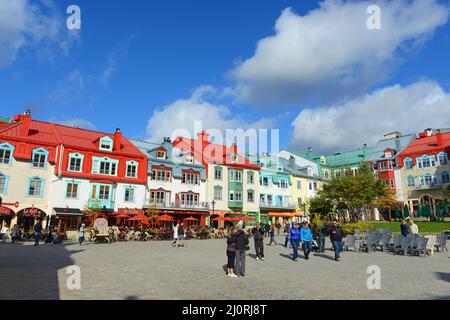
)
(295, 237)
(306, 239)
(404, 228)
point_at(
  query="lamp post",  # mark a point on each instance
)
(213, 203)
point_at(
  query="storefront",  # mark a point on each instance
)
(66, 221)
(6, 216)
(27, 218)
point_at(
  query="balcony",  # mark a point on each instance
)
(101, 204)
(425, 186)
(176, 206)
(270, 205)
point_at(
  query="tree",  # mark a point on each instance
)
(349, 194)
(388, 203)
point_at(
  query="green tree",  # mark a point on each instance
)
(352, 194)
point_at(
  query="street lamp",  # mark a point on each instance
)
(213, 203)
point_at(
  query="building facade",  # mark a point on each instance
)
(68, 170)
(176, 182)
(424, 172)
(232, 186)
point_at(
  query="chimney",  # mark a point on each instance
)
(234, 147)
(428, 131)
(26, 122)
(397, 144)
(292, 162)
(440, 139)
(117, 139)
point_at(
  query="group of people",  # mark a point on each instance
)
(50, 237)
(413, 228)
(297, 234)
(179, 235)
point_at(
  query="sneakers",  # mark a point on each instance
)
(232, 275)
(257, 258)
(262, 258)
(295, 259)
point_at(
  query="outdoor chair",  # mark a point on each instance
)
(400, 244)
(421, 246)
(350, 242)
(370, 243)
(441, 242)
(383, 244)
(413, 242)
(431, 243)
(357, 233)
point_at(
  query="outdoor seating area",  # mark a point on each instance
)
(383, 240)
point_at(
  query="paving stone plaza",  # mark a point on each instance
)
(155, 270)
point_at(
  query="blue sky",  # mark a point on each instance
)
(134, 64)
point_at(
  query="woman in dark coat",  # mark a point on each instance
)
(231, 252)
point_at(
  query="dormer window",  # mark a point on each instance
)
(6, 152)
(106, 144)
(161, 154)
(234, 157)
(388, 154)
(39, 158)
(189, 158)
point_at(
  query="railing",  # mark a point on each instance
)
(425, 186)
(174, 205)
(279, 205)
(101, 204)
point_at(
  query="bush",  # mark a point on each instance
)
(361, 225)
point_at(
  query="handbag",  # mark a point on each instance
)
(247, 248)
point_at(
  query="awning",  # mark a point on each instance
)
(31, 213)
(5, 211)
(130, 212)
(73, 212)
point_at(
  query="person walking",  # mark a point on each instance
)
(15, 233)
(181, 236)
(336, 235)
(404, 229)
(258, 235)
(295, 237)
(37, 233)
(321, 236)
(5, 232)
(231, 252)
(278, 225)
(413, 227)
(175, 235)
(81, 234)
(287, 228)
(241, 247)
(306, 239)
(272, 236)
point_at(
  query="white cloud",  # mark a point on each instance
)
(119, 53)
(77, 122)
(183, 113)
(409, 109)
(69, 89)
(25, 24)
(330, 54)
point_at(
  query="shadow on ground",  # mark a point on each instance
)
(31, 273)
(443, 276)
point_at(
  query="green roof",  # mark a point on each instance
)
(342, 159)
(4, 119)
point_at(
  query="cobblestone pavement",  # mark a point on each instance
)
(155, 270)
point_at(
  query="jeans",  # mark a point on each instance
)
(259, 248)
(272, 239)
(294, 243)
(321, 243)
(81, 240)
(337, 248)
(37, 237)
(240, 262)
(306, 246)
(287, 242)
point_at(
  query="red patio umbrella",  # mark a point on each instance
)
(248, 219)
(141, 218)
(165, 217)
(190, 219)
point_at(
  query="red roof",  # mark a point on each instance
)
(211, 153)
(45, 133)
(426, 145)
(430, 144)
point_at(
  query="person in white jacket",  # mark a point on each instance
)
(413, 227)
(175, 235)
(5, 232)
